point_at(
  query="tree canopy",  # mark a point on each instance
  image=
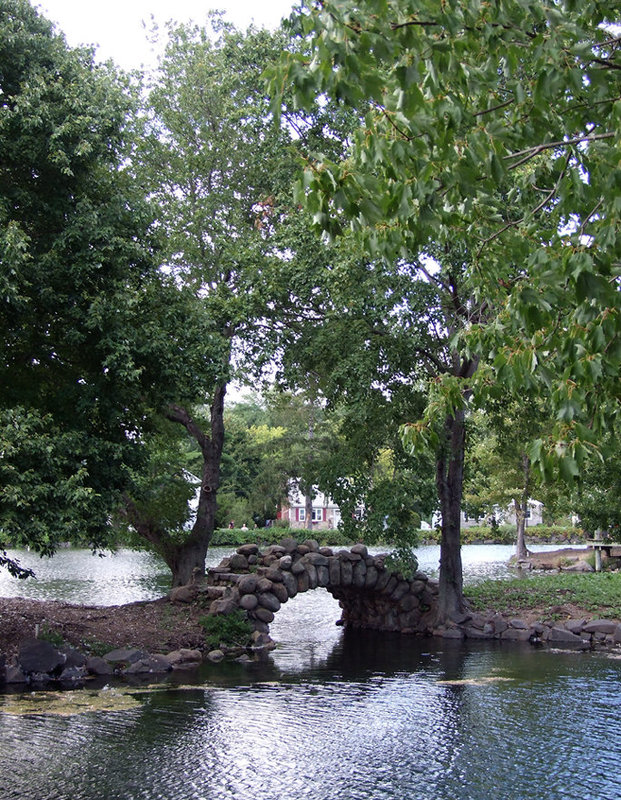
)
(496, 125)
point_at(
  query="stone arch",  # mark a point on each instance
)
(370, 595)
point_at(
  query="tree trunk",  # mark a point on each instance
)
(449, 481)
(186, 559)
(308, 506)
(521, 508)
(308, 497)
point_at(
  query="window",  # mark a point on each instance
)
(528, 513)
(318, 515)
(302, 514)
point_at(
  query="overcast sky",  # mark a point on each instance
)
(117, 27)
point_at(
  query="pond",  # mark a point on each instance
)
(335, 715)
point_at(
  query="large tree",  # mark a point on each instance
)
(94, 351)
(74, 252)
(496, 126)
(216, 167)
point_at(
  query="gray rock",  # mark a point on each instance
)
(184, 658)
(313, 580)
(223, 607)
(156, 664)
(286, 562)
(38, 655)
(13, 674)
(275, 550)
(360, 550)
(323, 576)
(73, 657)
(382, 580)
(473, 632)
(244, 659)
(184, 594)
(98, 666)
(400, 590)
(371, 577)
(248, 550)
(516, 634)
(347, 573)
(288, 544)
(298, 567)
(312, 544)
(263, 614)
(248, 602)
(274, 575)
(600, 626)
(316, 559)
(127, 655)
(334, 572)
(326, 551)
(290, 584)
(499, 623)
(391, 585)
(215, 656)
(565, 637)
(303, 582)
(281, 592)
(247, 584)
(238, 563)
(575, 625)
(449, 633)
(518, 624)
(409, 603)
(359, 575)
(269, 600)
(72, 674)
(264, 585)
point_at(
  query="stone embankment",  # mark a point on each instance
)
(580, 634)
(39, 663)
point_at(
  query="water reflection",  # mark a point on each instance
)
(387, 717)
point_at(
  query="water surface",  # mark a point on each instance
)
(334, 715)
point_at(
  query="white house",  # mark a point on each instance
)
(325, 514)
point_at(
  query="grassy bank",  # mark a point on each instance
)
(597, 594)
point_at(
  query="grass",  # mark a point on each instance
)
(598, 594)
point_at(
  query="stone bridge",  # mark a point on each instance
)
(370, 594)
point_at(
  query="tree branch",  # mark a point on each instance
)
(179, 414)
(531, 152)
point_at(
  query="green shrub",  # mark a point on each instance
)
(228, 630)
(403, 561)
(506, 534)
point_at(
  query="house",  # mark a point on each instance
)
(325, 514)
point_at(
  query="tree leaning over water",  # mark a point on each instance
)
(473, 111)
